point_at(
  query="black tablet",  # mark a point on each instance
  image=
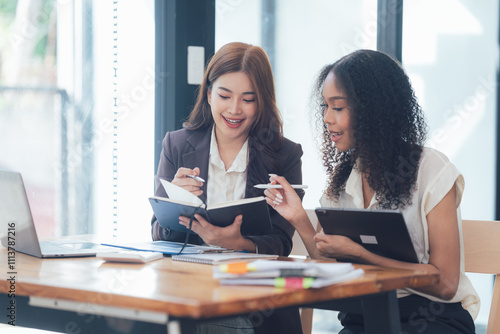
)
(382, 232)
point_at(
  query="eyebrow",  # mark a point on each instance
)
(335, 98)
(230, 91)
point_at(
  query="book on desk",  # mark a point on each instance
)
(286, 274)
(255, 211)
(223, 257)
(165, 247)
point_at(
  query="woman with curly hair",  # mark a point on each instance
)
(373, 149)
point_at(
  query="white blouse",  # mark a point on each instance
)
(226, 185)
(436, 176)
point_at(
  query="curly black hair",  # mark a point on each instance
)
(389, 127)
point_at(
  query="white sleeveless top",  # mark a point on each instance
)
(436, 176)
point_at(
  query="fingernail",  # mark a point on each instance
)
(277, 203)
(279, 196)
(278, 199)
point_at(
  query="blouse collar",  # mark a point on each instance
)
(239, 164)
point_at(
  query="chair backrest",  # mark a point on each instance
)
(482, 254)
(298, 246)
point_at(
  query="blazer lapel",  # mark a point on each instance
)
(199, 155)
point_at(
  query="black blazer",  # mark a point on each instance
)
(191, 148)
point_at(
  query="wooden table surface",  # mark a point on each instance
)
(180, 289)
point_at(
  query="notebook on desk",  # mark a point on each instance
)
(382, 232)
(18, 230)
(165, 247)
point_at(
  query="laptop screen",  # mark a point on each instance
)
(15, 214)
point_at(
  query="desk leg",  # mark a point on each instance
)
(381, 313)
(181, 325)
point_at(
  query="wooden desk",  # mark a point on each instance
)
(188, 291)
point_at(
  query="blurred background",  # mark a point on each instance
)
(79, 96)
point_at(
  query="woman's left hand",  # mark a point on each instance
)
(337, 246)
(227, 237)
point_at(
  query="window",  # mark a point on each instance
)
(308, 35)
(56, 112)
(457, 49)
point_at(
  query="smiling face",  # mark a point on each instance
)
(232, 99)
(337, 114)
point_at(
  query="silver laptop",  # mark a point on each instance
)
(18, 229)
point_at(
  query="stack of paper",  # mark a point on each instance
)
(286, 274)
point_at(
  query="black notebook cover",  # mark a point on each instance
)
(255, 211)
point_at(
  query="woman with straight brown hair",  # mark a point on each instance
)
(233, 140)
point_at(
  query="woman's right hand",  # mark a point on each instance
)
(190, 184)
(285, 201)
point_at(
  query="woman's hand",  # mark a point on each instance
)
(227, 237)
(285, 201)
(191, 185)
(337, 246)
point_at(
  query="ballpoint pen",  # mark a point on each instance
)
(197, 178)
(279, 186)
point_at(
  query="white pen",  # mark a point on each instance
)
(279, 186)
(197, 178)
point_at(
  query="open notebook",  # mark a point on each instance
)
(255, 211)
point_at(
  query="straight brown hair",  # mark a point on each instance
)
(265, 138)
(253, 61)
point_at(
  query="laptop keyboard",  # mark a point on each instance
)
(54, 248)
